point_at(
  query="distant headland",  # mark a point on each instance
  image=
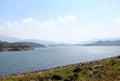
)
(18, 46)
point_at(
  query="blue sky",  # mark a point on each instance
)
(60, 20)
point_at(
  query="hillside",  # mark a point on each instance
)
(31, 44)
(104, 43)
(28, 41)
(6, 46)
(46, 43)
(102, 70)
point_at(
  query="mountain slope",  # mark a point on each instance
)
(31, 44)
(104, 43)
(13, 39)
(46, 43)
(8, 38)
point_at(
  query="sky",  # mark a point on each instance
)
(67, 21)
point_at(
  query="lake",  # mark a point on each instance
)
(14, 62)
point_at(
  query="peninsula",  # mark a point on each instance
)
(6, 46)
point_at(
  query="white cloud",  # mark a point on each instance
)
(67, 18)
(28, 20)
(61, 21)
(30, 28)
(11, 25)
(62, 29)
(118, 20)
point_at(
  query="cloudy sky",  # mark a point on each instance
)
(68, 21)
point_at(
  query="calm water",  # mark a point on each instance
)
(43, 58)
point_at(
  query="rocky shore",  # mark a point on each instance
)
(107, 69)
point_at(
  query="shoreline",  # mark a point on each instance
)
(56, 68)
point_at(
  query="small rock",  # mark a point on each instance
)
(32, 80)
(77, 70)
(103, 75)
(118, 68)
(118, 56)
(91, 75)
(97, 66)
(66, 80)
(74, 77)
(56, 77)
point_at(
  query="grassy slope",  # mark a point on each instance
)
(102, 70)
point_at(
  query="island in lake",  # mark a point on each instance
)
(18, 46)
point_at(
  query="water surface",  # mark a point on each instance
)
(13, 62)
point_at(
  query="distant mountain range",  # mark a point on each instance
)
(96, 40)
(41, 43)
(31, 44)
(46, 43)
(104, 43)
(13, 39)
(8, 38)
(101, 42)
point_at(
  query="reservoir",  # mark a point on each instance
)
(14, 62)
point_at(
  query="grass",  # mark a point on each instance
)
(102, 70)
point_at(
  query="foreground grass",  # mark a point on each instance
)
(102, 70)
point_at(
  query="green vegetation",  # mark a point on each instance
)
(102, 70)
